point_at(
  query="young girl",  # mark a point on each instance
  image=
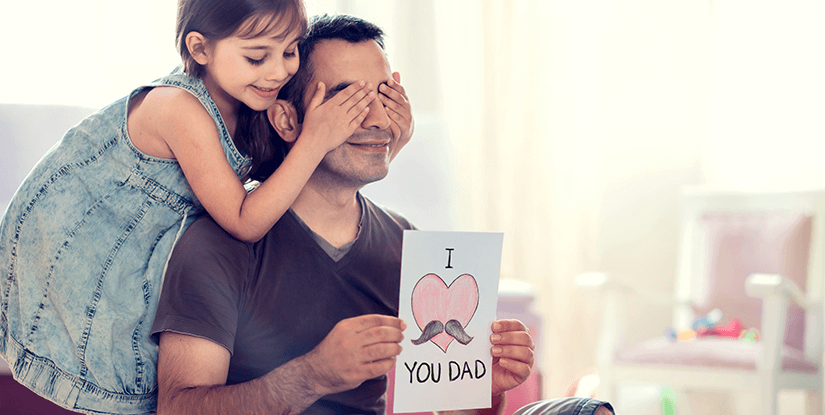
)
(84, 242)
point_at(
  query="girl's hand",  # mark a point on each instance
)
(395, 100)
(329, 124)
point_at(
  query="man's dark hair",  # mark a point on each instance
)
(325, 27)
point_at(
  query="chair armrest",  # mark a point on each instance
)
(775, 291)
(766, 285)
(614, 295)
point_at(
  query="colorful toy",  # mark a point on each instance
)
(750, 334)
(732, 329)
(707, 322)
(709, 326)
(668, 399)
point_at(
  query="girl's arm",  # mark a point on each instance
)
(192, 136)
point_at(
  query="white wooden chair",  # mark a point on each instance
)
(757, 256)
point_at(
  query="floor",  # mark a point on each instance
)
(641, 399)
(647, 399)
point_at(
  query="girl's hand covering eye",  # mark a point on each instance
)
(332, 122)
(394, 98)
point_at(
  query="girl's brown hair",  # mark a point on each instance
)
(219, 19)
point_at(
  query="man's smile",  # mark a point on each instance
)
(371, 140)
(377, 145)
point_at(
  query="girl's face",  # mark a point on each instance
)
(250, 69)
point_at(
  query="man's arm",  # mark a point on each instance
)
(192, 371)
(192, 374)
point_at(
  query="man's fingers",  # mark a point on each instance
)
(516, 353)
(521, 370)
(381, 334)
(515, 338)
(380, 351)
(369, 321)
(378, 367)
(500, 326)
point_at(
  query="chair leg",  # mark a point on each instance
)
(813, 403)
(768, 399)
(608, 390)
(683, 406)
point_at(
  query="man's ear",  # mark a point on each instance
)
(284, 119)
(197, 45)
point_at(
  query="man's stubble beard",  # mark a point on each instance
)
(348, 167)
(335, 174)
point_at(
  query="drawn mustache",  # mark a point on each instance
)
(430, 330)
(453, 328)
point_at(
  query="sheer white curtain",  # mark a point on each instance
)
(574, 124)
(766, 117)
(86, 52)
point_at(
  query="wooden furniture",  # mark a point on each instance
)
(754, 255)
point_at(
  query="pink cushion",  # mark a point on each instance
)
(741, 244)
(709, 352)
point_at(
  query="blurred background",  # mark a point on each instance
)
(570, 126)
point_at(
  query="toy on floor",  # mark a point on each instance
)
(707, 322)
(708, 325)
(668, 399)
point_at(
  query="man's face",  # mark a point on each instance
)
(365, 156)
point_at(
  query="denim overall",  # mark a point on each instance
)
(83, 247)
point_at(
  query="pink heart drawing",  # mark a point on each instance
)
(432, 300)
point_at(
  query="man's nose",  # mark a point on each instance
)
(377, 117)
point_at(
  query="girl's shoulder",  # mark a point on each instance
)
(172, 95)
(160, 117)
(169, 104)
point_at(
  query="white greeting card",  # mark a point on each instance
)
(448, 298)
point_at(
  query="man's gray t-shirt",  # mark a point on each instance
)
(274, 300)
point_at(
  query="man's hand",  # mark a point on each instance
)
(512, 359)
(512, 355)
(356, 349)
(394, 98)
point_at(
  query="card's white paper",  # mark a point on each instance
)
(449, 289)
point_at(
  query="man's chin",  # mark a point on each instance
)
(378, 176)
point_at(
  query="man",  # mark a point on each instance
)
(303, 320)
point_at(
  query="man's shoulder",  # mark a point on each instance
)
(205, 226)
(204, 234)
(387, 216)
